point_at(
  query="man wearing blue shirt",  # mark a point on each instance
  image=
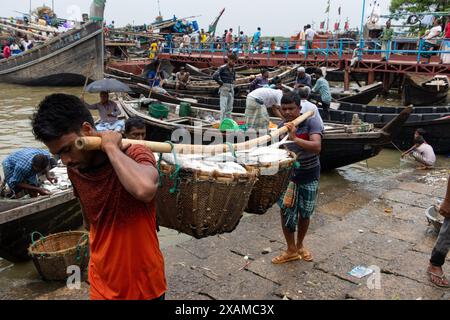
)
(257, 39)
(21, 169)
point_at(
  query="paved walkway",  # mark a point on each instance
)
(379, 222)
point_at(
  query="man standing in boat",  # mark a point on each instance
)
(225, 76)
(299, 201)
(116, 188)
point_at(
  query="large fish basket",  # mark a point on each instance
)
(202, 204)
(273, 180)
(52, 255)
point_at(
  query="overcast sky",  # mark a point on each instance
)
(275, 17)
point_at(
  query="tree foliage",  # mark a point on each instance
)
(417, 6)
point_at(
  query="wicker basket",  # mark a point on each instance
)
(53, 254)
(206, 204)
(269, 188)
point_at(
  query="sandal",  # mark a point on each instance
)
(285, 257)
(305, 254)
(439, 283)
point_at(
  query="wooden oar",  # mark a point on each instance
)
(88, 73)
(94, 143)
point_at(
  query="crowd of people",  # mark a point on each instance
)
(230, 41)
(13, 47)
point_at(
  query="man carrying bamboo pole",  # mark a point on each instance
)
(299, 201)
(116, 188)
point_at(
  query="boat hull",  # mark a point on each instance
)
(64, 61)
(437, 131)
(418, 95)
(49, 216)
(337, 150)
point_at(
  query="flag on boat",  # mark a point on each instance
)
(328, 7)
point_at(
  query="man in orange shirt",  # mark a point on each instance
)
(116, 188)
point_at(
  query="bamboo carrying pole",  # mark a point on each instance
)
(94, 143)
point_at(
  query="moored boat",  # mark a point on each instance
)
(435, 123)
(64, 60)
(47, 215)
(339, 148)
(363, 95)
(421, 90)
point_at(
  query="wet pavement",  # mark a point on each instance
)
(367, 215)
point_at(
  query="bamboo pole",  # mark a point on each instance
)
(94, 143)
(23, 31)
(31, 26)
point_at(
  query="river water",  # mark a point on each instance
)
(17, 104)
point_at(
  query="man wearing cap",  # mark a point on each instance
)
(303, 79)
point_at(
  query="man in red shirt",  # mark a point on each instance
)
(116, 188)
(6, 52)
(229, 38)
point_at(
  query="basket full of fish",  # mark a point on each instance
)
(206, 195)
(274, 168)
(201, 197)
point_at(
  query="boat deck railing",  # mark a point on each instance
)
(416, 49)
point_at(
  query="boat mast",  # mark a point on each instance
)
(213, 25)
(159, 9)
(361, 41)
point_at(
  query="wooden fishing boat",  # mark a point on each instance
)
(47, 215)
(436, 124)
(421, 90)
(64, 60)
(354, 107)
(340, 148)
(363, 95)
(211, 87)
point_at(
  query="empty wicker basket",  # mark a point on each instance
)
(272, 181)
(53, 254)
(206, 204)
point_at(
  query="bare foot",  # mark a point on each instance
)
(421, 168)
